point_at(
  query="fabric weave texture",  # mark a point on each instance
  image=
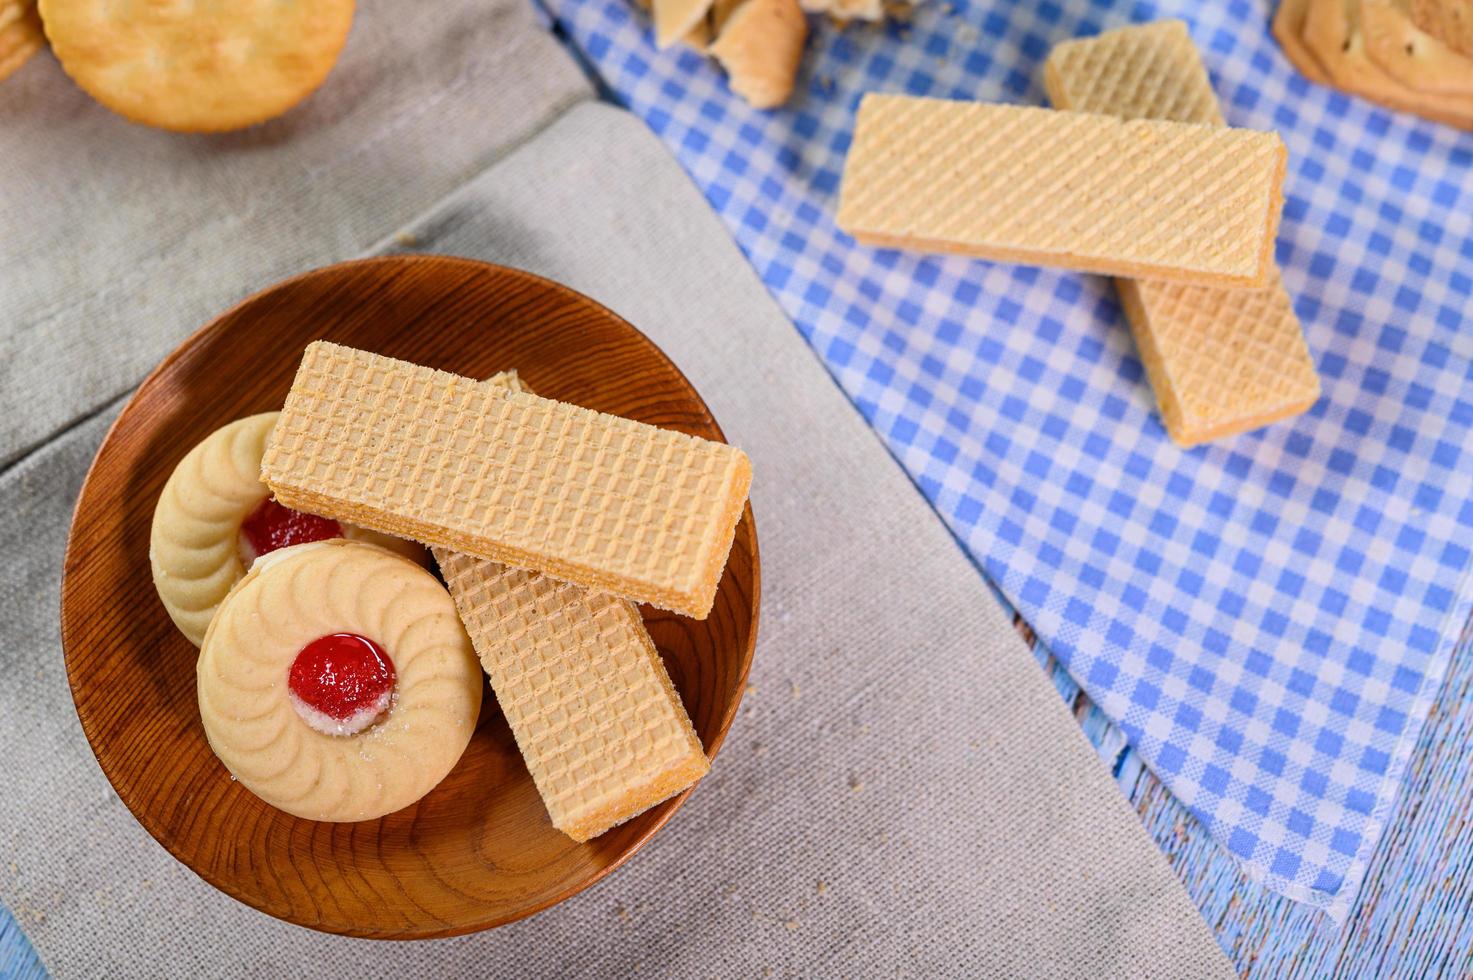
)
(1269, 617)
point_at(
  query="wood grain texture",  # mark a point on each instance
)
(479, 850)
(1414, 914)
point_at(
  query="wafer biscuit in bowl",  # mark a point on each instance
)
(209, 66)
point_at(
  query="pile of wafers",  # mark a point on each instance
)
(1412, 55)
(1135, 175)
(336, 675)
(183, 66)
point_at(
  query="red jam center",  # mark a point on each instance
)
(272, 525)
(341, 674)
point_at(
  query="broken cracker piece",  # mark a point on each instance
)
(760, 47)
(675, 19)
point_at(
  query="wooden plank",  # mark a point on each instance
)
(1412, 917)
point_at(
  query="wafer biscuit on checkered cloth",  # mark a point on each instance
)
(603, 502)
(1144, 198)
(1220, 361)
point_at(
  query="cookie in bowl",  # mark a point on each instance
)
(215, 517)
(336, 682)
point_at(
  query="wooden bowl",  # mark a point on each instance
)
(479, 850)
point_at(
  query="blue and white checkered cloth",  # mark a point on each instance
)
(1268, 618)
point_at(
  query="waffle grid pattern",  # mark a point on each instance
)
(1220, 361)
(1268, 618)
(595, 716)
(1138, 197)
(600, 501)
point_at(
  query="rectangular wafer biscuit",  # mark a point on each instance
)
(579, 680)
(1221, 361)
(595, 716)
(603, 502)
(1143, 198)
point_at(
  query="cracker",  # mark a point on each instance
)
(1450, 21)
(847, 10)
(1333, 33)
(197, 67)
(1411, 56)
(675, 19)
(1140, 198)
(1288, 29)
(760, 46)
(604, 502)
(1220, 361)
(20, 34)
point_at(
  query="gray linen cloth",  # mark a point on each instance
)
(119, 240)
(902, 793)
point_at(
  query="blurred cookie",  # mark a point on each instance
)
(1410, 55)
(20, 34)
(1288, 29)
(1334, 35)
(676, 19)
(197, 67)
(1450, 21)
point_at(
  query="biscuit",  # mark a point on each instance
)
(1450, 21)
(1220, 361)
(304, 594)
(1332, 32)
(1140, 198)
(20, 34)
(588, 699)
(760, 46)
(197, 67)
(846, 10)
(194, 548)
(1288, 29)
(604, 502)
(1411, 56)
(676, 19)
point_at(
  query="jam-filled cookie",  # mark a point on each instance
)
(215, 517)
(336, 681)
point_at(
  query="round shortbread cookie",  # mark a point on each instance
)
(1451, 21)
(1333, 34)
(1411, 56)
(1287, 27)
(20, 34)
(293, 599)
(195, 546)
(197, 65)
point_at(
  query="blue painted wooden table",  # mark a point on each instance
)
(1412, 918)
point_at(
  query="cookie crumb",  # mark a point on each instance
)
(407, 239)
(855, 783)
(822, 888)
